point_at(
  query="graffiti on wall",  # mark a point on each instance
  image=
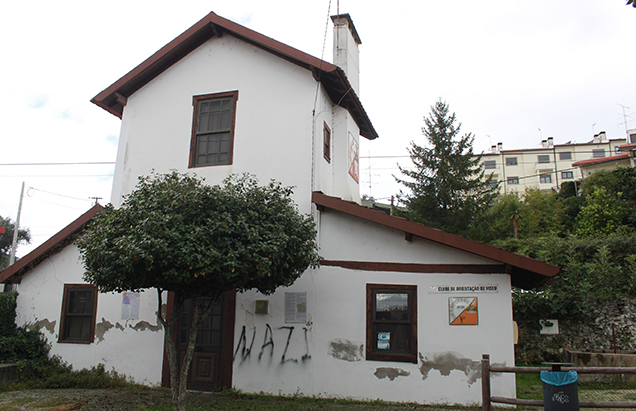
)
(271, 340)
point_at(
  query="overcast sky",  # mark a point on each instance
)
(513, 72)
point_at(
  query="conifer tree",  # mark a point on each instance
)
(446, 188)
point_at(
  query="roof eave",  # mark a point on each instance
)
(112, 99)
(13, 274)
(526, 272)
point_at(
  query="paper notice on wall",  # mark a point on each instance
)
(130, 306)
(296, 307)
(384, 340)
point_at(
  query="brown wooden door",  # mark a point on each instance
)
(205, 370)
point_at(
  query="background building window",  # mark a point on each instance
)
(545, 178)
(492, 183)
(213, 130)
(513, 180)
(567, 174)
(490, 164)
(327, 143)
(392, 322)
(598, 153)
(566, 155)
(79, 307)
(542, 159)
(511, 161)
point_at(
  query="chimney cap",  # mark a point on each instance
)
(345, 19)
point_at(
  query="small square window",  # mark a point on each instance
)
(567, 174)
(543, 159)
(492, 183)
(490, 164)
(213, 129)
(513, 180)
(565, 155)
(392, 323)
(327, 142)
(545, 179)
(511, 161)
(79, 307)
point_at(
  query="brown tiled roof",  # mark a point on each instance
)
(113, 99)
(13, 274)
(601, 160)
(525, 272)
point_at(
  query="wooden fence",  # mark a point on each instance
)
(487, 399)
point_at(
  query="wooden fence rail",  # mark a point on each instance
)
(487, 399)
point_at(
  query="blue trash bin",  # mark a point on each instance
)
(560, 392)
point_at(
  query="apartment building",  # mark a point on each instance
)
(548, 166)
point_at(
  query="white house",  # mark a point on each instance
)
(397, 310)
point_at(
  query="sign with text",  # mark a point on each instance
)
(463, 289)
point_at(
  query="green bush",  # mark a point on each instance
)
(19, 345)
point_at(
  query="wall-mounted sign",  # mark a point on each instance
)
(130, 306)
(296, 307)
(354, 160)
(450, 289)
(463, 311)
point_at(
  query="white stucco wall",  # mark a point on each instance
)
(448, 369)
(132, 347)
(275, 122)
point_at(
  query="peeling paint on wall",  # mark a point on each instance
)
(101, 328)
(145, 325)
(45, 323)
(390, 373)
(448, 361)
(343, 349)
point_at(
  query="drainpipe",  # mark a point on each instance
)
(556, 170)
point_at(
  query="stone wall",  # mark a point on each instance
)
(595, 332)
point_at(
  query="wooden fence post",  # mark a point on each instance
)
(485, 382)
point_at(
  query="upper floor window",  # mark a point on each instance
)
(513, 180)
(392, 322)
(79, 307)
(598, 153)
(327, 142)
(567, 174)
(542, 159)
(490, 164)
(213, 129)
(565, 155)
(511, 161)
(492, 183)
(545, 178)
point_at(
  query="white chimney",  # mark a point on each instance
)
(345, 48)
(550, 142)
(544, 143)
(499, 147)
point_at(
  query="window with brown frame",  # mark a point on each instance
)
(327, 143)
(79, 307)
(392, 322)
(213, 129)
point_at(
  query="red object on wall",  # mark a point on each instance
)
(1, 230)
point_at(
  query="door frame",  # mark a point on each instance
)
(227, 340)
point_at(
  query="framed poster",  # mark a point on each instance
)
(463, 311)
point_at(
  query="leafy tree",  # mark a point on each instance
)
(6, 239)
(175, 233)
(447, 188)
(602, 214)
(632, 2)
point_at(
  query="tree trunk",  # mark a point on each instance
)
(179, 375)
